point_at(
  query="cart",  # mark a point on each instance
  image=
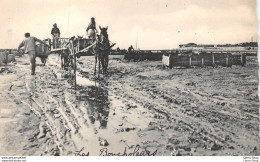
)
(69, 49)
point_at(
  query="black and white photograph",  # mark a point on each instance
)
(129, 78)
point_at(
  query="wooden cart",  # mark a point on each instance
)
(69, 49)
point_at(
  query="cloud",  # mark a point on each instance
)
(192, 24)
(159, 24)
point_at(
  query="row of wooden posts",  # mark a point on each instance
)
(204, 59)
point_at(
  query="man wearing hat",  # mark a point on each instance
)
(29, 47)
(55, 31)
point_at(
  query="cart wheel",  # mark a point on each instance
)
(74, 70)
(70, 70)
(62, 60)
(65, 61)
(72, 66)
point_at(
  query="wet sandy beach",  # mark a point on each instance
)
(196, 111)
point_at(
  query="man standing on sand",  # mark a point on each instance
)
(55, 31)
(29, 47)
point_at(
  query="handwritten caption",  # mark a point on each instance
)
(105, 152)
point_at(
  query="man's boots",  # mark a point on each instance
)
(33, 70)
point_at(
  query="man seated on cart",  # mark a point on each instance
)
(131, 49)
(55, 35)
(92, 30)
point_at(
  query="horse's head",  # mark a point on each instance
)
(103, 34)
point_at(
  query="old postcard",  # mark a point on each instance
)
(129, 78)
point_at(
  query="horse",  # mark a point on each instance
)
(103, 49)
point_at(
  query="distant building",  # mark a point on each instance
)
(240, 46)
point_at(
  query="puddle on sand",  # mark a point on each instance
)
(92, 114)
(82, 81)
(96, 103)
(107, 118)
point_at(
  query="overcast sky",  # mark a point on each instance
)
(154, 24)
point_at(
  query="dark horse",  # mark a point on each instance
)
(103, 50)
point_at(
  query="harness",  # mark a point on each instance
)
(103, 42)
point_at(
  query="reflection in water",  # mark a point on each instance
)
(96, 99)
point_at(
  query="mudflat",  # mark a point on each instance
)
(180, 111)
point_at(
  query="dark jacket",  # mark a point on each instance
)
(55, 30)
